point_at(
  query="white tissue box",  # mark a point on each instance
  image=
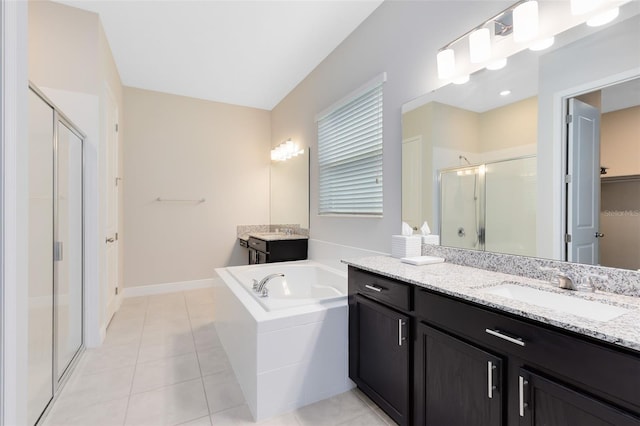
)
(431, 239)
(406, 245)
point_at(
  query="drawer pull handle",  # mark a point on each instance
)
(401, 324)
(490, 386)
(516, 340)
(373, 287)
(521, 404)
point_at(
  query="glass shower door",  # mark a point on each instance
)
(68, 265)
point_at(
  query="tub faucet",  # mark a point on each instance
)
(262, 285)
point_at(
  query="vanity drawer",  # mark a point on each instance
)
(258, 244)
(610, 372)
(386, 290)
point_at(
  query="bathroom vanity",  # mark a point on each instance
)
(445, 345)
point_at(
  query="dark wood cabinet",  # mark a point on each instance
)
(263, 251)
(544, 402)
(466, 364)
(456, 383)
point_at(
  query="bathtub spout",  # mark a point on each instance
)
(262, 285)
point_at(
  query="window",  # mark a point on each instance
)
(350, 154)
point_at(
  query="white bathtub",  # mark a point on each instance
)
(303, 284)
(288, 349)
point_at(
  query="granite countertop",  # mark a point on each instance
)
(272, 236)
(471, 283)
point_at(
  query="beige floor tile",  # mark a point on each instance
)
(368, 418)
(206, 337)
(169, 405)
(88, 389)
(237, 416)
(109, 358)
(202, 421)
(166, 371)
(339, 408)
(109, 413)
(213, 361)
(202, 296)
(385, 418)
(288, 419)
(167, 348)
(222, 392)
(165, 337)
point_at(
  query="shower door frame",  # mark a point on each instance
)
(59, 380)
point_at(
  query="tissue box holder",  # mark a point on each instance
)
(406, 245)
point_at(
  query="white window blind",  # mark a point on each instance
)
(350, 156)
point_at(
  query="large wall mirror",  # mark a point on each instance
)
(289, 186)
(493, 164)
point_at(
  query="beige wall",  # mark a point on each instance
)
(184, 148)
(71, 61)
(511, 125)
(620, 142)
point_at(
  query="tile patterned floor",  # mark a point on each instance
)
(162, 364)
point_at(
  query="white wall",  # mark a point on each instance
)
(184, 148)
(400, 38)
(14, 214)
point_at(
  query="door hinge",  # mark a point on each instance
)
(569, 118)
(567, 178)
(116, 236)
(567, 238)
(116, 290)
(116, 127)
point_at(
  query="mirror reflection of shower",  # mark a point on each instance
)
(489, 206)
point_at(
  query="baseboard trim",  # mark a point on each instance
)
(147, 290)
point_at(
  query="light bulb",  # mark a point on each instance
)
(462, 79)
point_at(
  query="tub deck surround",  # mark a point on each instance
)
(470, 284)
(285, 358)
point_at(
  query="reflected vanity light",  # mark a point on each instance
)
(462, 79)
(505, 93)
(603, 18)
(497, 64)
(580, 7)
(545, 43)
(525, 21)
(286, 150)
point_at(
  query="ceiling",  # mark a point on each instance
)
(250, 53)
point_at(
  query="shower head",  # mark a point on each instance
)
(462, 157)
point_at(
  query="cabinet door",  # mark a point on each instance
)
(456, 383)
(548, 403)
(379, 356)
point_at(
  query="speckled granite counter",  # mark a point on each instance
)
(276, 236)
(471, 283)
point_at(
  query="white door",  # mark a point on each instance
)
(111, 230)
(412, 182)
(583, 188)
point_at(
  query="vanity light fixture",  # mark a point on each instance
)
(545, 43)
(525, 21)
(497, 64)
(286, 150)
(479, 45)
(505, 93)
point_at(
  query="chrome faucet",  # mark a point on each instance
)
(261, 287)
(566, 281)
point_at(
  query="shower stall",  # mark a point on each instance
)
(490, 206)
(55, 251)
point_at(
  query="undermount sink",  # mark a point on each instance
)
(563, 303)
